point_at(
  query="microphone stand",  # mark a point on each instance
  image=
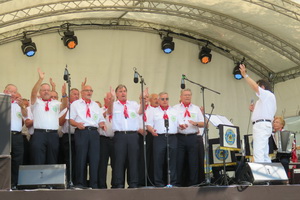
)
(206, 149)
(142, 82)
(70, 184)
(168, 153)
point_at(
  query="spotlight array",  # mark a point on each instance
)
(205, 55)
(69, 39)
(167, 45)
(28, 47)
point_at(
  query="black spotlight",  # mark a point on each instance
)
(205, 55)
(69, 39)
(167, 45)
(236, 72)
(28, 47)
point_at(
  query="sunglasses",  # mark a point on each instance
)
(167, 99)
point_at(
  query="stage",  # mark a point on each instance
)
(233, 192)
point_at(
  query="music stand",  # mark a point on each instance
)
(229, 139)
(220, 157)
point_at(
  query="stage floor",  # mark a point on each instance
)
(233, 192)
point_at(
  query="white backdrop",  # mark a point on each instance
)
(107, 58)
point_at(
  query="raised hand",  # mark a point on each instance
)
(41, 74)
(53, 85)
(83, 83)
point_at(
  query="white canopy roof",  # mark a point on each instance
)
(266, 33)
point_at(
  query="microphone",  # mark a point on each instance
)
(66, 74)
(167, 123)
(212, 106)
(182, 85)
(252, 101)
(135, 76)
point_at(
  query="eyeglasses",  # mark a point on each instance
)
(88, 90)
(167, 99)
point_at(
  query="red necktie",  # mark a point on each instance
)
(165, 112)
(88, 112)
(125, 109)
(145, 117)
(47, 104)
(109, 116)
(187, 112)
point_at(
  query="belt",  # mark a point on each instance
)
(89, 128)
(166, 134)
(45, 130)
(15, 132)
(187, 134)
(261, 120)
(106, 137)
(126, 132)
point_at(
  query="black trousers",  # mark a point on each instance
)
(187, 149)
(160, 155)
(126, 147)
(17, 154)
(149, 159)
(44, 147)
(66, 156)
(107, 152)
(87, 148)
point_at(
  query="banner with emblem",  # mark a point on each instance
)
(217, 154)
(229, 137)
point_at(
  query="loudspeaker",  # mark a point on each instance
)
(5, 172)
(42, 176)
(262, 173)
(5, 117)
(295, 176)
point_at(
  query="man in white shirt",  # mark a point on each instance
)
(87, 117)
(125, 124)
(187, 138)
(163, 123)
(44, 143)
(263, 113)
(18, 111)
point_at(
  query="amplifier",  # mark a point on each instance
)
(42, 176)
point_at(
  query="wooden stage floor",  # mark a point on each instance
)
(232, 192)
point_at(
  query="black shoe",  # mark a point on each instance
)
(14, 187)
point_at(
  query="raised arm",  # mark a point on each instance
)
(249, 80)
(37, 86)
(64, 97)
(53, 85)
(111, 98)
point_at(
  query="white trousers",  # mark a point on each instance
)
(261, 133)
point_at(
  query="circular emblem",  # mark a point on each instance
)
(173, 118)
(230, 137)
(95, 117)
(133, 115)
(19, 115)
(221, 154)
(55, 108)
(193, 115)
